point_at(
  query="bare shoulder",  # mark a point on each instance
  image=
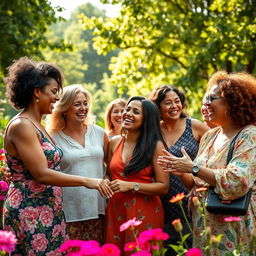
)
(198, 128)
(159, 148)
(114, 142)
(21, 127)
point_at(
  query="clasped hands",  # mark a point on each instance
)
(108, 188)
(176, 165)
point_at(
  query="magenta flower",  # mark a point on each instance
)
(8, 241)
(129, 247)
(3, 186)
(1, 151)
(71, 246)
(232, 219)
(2, 198)
(109, 250)
(194, 252)
(130, 223)
(80, 247)
(141, 253)
(90, 248)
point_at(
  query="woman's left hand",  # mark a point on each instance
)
(176, 165)
(120, 186)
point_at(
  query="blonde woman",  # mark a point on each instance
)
(113, 117)
(84, 147)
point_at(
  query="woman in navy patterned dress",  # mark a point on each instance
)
(178, 131)
(33, 208)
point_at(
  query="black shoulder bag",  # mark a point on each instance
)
(236, 207)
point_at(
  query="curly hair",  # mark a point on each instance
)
(239, 91)
(108, 124)
(159, 94)
(24, 75)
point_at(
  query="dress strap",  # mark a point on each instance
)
(17, 117)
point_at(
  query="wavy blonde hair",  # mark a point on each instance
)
(109, 127)
(56, 121)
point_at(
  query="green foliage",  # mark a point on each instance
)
(176, 42)
(82, 64)
(23, 26)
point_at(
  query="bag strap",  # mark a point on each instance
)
(231, 148)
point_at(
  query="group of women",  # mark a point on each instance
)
(151, 150)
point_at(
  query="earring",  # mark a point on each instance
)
(37, 100)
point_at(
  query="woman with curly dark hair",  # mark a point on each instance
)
(33, 208)
(231, 104)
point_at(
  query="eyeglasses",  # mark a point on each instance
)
(211, 98)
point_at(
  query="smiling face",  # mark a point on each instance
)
(116, 115)
(78, 111)
(171, 106)
(133, 115)
(48, 96)
(216, 106)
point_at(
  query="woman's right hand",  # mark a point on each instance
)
(104, 188)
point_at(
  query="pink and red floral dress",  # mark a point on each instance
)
(33, 211)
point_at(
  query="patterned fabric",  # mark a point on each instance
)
(173, 211)
(33, 211)
(87, 230)
(232, 181)
(125, 206)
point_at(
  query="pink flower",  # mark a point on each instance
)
(71, 245)
(56, 230)
(79, 247)
(29, 218)
(194, 252)
(2, 198)
(1, 151)
(109, 250)
(15, 198)
(90, 248)
(129, 247)
(3, 186)
(159, 235)
(46, 215)
(130, 223)
(232, 219)
(141, 253)
(56, 252)
(7, 241)
(36, 187)
(39, 242)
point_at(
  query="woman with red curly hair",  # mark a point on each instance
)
(231, 104)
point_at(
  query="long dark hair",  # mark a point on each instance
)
(148, 138)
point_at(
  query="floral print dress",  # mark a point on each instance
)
(232, 181)
(33, 211)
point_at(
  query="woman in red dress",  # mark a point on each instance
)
(134, 175)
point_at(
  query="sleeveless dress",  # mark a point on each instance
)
(33, 211)
(172, 211)
(127, 205)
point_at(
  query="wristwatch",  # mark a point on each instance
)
(136, 187)
(195, 170)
